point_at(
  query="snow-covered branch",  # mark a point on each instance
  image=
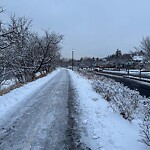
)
(25, 52)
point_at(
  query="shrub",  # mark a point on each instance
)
(121, 98)
(128, 103)
(145, 125)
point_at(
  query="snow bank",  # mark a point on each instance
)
(102, 129)
(10, 101)
(7, 83)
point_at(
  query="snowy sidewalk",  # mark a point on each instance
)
(102, 129)
(10, 101)
(41, 122)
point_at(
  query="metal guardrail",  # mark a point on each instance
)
(142, 78)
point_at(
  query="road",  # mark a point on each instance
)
(44, 122)
(141, 86)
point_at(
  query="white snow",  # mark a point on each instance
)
(140, 80)
(102, 129)
(7, 83)
(138, 58)
(131, 72)
(10, 101)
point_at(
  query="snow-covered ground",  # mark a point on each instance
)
(7, 83)
(102, 129)
(10, 101)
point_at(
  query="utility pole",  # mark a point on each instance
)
(72, 59)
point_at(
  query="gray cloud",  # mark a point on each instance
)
(91, 27)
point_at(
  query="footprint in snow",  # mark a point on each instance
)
(95, 136)
(85, 121)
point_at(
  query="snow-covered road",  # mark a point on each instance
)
(40, 122)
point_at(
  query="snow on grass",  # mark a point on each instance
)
(10, 101)
(7, 83)
(101, 128)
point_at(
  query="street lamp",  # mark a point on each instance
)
(72, 59)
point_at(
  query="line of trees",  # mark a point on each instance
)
(24, 53)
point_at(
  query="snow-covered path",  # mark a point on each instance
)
(100, 127)
(41, 122)
(62, 112)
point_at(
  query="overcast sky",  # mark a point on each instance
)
(93, 28)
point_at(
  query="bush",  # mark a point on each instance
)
(121, 98)
(145, 125)
(128, 103)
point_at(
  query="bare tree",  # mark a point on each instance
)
(48, 51)
(23, 53)
(145, 47)
(3, 45)
(1, 9)
(14, 46)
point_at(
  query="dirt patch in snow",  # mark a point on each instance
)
(73, 130)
